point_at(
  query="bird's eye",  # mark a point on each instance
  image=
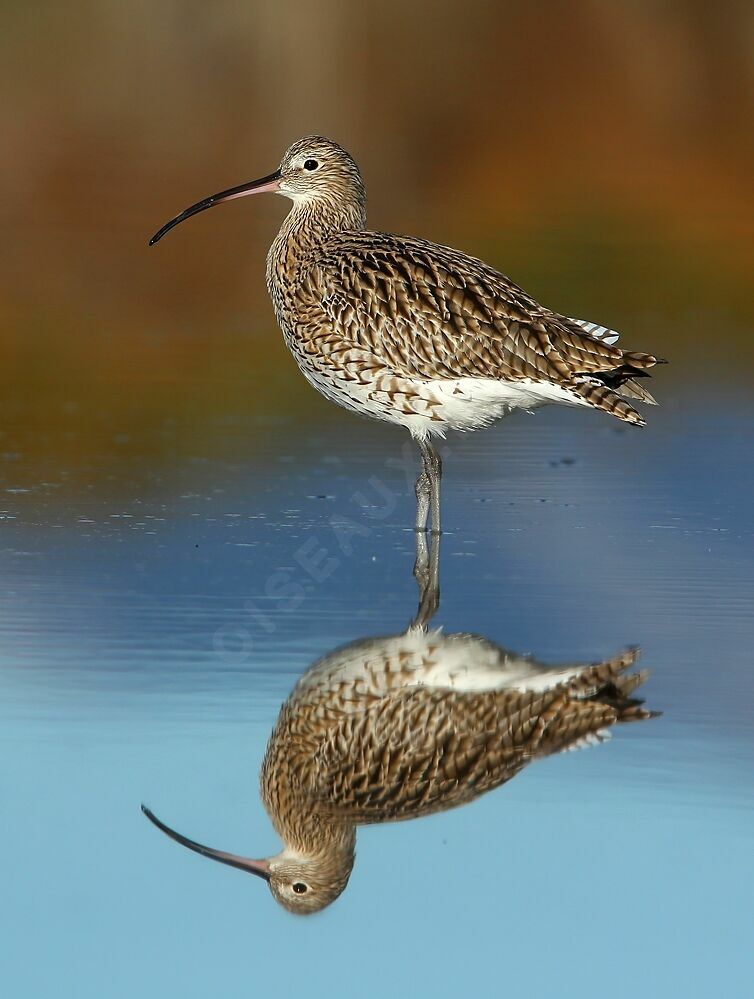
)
(310, 165)
(299, 887)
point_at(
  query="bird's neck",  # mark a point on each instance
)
(305, 228)
(303, 829)
(330, 845)
(312, 221)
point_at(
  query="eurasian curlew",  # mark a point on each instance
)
(414, 333)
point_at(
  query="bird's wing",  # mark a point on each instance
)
(597, 331)
(420, 750)
(428, 311)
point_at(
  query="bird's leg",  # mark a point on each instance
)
(427, 575)
(433, 465)
(423, 492)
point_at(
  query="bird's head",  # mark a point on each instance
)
(318, 169)
(304, 884)
(313, 171)
(300, 883)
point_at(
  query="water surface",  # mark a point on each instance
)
(155, 614)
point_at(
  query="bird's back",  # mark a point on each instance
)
(403, 726)
(372, 303)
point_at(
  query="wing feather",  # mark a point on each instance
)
(424, 751)
(428, 311)
(414, 750)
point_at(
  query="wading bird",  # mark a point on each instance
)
(403, 726)
(414, 333)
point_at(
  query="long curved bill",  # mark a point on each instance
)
(269, 183)
(259, 867)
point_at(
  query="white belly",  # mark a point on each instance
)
(465, 663)
(432, 407)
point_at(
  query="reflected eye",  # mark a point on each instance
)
(310, 165)
(299, 887)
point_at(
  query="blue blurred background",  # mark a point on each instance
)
(165, 473)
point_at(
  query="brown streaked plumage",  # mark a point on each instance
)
(399, 727)
(414, 333)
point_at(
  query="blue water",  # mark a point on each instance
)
(154, 617)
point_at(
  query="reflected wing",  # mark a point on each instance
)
(415, 756)
(421, 750)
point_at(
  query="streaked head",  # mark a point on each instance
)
(299, 883)
(316, 168)
(313, 170)
(307, 884)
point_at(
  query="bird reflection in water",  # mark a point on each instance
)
(406, 725)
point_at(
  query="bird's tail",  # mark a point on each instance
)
(607, 390)
(594, 701)
(601, 396)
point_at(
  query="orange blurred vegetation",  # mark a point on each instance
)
(599, 153)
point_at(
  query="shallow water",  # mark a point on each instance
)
(155, 614)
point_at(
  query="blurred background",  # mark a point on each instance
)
(166, 475)
(600, 154)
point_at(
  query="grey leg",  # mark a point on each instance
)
(433, 469)
(423, 494)
(427, 575)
